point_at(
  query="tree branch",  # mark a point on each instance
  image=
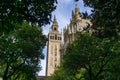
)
(102, 66)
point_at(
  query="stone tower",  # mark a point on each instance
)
(53, 48)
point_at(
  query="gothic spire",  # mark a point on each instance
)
(72, 14)
(77, 11)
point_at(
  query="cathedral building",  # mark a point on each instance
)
(77, 25)
(58, 41)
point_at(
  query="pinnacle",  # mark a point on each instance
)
(54, 18)
(55, 21)
(76, 5)
(77, 8)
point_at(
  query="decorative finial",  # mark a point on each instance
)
(70, 19)
(55, 21)
(77, 11)
(72, 13)
(54, 18)
(76, 5)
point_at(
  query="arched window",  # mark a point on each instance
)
(55, 37)
(51, 50)
(51, 61)
(55, 65)
(55, 50)
(55, 29)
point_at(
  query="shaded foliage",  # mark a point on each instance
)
(105, 17)
(21, 41)
(21, 51)
(89, 58)
(85, 15)
(90, 53)
(17, 11)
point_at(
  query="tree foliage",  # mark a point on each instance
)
(90, 58)
(62, 74)
(21, 41)
(20, 52)
(17, 11)
(106, 23)
(105, 17)
(90, 53)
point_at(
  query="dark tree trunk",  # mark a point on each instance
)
(6, 72)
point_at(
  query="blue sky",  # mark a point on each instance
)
(63, 14)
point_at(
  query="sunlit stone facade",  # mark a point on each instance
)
(77, 25)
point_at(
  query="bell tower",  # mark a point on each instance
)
(53, 48)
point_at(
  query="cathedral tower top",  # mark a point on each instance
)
(55, 25)
(77, 10)
(75, 14)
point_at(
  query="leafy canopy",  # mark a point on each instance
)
(21, 51)
(17, 11)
